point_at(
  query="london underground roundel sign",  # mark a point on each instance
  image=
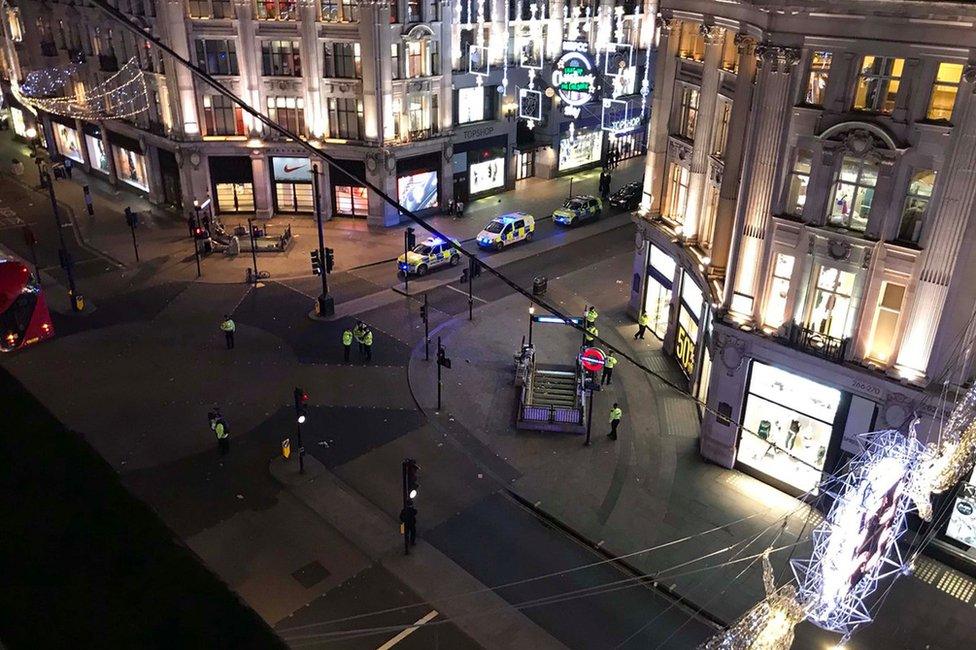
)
(593, 359)
(573, 77)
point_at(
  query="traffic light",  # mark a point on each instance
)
(316, 262)
(413, 473)
(329, 260)
(130, 218)
(411, 238)
(301, 404)
(199, 232)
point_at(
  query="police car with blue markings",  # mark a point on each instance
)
(507, 229)
(430, 254)
(577, 209)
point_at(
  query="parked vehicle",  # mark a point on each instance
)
(627, 197)
(577, 209)
(507, 229)
(432, 253)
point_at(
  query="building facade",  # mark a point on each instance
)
(806, 240)
(419, 97)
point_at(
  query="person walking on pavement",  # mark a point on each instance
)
(408, 517)
(608, 364)
(642, 323)
(615, 415)
(591, 315)
(228, 328)
(346, 344)
(368, 344)
(68, 164)
(222, 431)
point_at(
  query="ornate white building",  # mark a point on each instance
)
(807, 240)
(417, 96)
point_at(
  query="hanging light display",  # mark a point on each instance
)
(122, 95)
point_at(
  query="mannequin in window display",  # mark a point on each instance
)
(792, 434)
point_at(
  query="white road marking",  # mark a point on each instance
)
(464, 293)
(407, 632)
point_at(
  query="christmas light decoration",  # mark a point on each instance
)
(122, 95)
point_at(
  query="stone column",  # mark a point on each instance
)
(661, 100)
(249, 62)
(172, 20)
(260, 170)
(951, 209)
(311, 54)
(707, 100)
(762, 159)
(734, 148)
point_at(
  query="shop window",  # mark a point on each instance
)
(235, 197)
(877, 84)
(817, 78)
(340, 11)
(787, 426)
(281, 59)
(421, 115)
(346, 118)
(67, 141)
(853, 193)
(342, 61)
(779, 290)
(799, 181)
(130, 167)
(277, 9)
(470, 104)
(885, 328)
(288, 112)
(944, 92)
(691, 42)
(720, 135)
(351, 201)
(657, 301)
(678, 180)
(217, 55)
(526, 165)
(691, 305)
(294, 197)
(832, 309)
(221, 116)
(688, 112)
(916, 206)
(96, 153)
(729, 60)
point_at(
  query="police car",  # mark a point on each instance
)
(507, 229)
(577, 209)
(430, 254)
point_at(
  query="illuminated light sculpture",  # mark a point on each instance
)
(769, 625)
(122, 95)
(856, 545)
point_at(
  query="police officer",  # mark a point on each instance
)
(222, 432)
(368, 344)
(591, 315)
(346, 344)
(642, 322)
(358, 333)
(607, 376)
(228, 328)
(591, 333)
(615, 415)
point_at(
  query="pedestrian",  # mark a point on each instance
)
(642, 322)
(17, 167)
(358, 333)
(591, 333)
(228, 328)
(460, 209)
(68, 164)
(408, 518)
(368, 344)
(608, 364)
(346, 344)
(222, 432)
(604, 185)
(591, 315)
(615, 415)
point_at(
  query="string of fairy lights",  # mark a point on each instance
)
(55, 90)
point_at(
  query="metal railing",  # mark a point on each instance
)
(813, 342)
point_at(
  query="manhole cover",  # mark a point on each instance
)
(311, 574)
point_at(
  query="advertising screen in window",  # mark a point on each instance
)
(96, 153)
(787, 426)
(17, 119)
(131, 168)
(418, 191)
(584, 148)
(487, 175)
(68, 144)
(471, 104)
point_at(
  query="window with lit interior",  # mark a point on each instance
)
(916, 206)
(877, 84)
(853, 193)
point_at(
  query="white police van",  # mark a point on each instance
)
(430, 254)
(507, 229)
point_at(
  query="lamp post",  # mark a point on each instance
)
(193, 234)
(531, 319)
(326, 302)
(66, 262)
(254, 248)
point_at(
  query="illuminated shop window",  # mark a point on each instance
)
(877, 84)
(944, 92)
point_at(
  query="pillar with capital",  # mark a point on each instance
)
(763, 156)
(657, 137)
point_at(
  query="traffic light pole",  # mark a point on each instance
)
(254, 249)
(65, 255)
(135, 245)
(471, 274)
(426, 330)
(440, 351)
(589, 419)
(406, 271)
(301, 448)
(406, 539)
(326, 303)
(196, 242)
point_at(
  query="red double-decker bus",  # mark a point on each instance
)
(24, 317)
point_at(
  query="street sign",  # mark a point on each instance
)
(593, 359)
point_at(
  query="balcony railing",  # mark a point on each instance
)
(419, 134)
(108, 63)
(49, 48)
(813, 342)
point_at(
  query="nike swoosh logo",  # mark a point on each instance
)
(289, 170)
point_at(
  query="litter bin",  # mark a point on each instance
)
(539, 284)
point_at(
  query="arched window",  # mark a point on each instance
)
(853, 193)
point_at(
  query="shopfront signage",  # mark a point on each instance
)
(292, 170)
(474, 134)
(573, 78)
(684, 350)
(592, 359)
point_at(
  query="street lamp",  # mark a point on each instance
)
(531, 318)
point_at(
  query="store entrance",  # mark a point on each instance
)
(294, 197)
(235, 197)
